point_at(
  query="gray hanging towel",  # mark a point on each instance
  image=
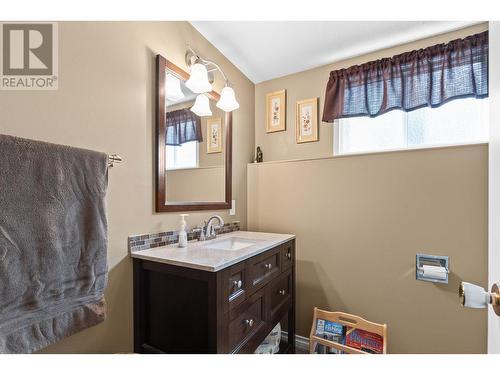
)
(53, 240)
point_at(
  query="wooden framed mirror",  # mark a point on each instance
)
(193, 155)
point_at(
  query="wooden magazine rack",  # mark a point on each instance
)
(351, 322)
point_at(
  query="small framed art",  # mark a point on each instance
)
(214, 135)
(276, 111)
(306, 123)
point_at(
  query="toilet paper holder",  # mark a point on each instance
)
(436, 268)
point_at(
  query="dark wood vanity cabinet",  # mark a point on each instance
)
(184, 310)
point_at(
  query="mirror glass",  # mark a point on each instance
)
(195, 145)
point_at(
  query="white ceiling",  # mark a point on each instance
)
(264, 50)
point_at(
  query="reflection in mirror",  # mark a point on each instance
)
(194, 147)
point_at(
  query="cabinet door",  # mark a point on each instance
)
(246, 320)
(279, 297)
(236, 284)
(263, 268)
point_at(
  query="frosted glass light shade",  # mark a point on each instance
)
(198, 80)
(201, 106)
(227, 101)
(173, 88)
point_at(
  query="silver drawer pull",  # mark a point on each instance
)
(268, 266)
(289, 255)
(237, 283)
(282, 292)
(249, 322)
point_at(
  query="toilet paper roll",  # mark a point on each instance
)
(434, 272)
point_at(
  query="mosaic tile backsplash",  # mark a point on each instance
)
(148, 241)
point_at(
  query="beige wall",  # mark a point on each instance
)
(312, 83)
(105, 102)
(359, 222)
(196, 184)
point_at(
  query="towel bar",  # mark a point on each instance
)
(114, 158)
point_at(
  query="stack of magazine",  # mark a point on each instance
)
(341, 334)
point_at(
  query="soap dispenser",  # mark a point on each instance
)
(182, 233)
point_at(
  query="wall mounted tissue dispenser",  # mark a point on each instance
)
(433, 268)
(476, 297)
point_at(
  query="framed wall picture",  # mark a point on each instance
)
(276, 111)
(214, 135)
(306, 123)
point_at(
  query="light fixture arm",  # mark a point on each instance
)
(192, 57)
(199, 82)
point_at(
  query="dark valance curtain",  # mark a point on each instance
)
(428, 77)
(182, 126)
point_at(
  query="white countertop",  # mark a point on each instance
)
(200, 255)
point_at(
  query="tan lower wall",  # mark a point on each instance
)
(196, 184)
(359, 222)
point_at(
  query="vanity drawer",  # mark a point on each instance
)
(246, 320)
(263, 268)
(279, 295)
(287, 255)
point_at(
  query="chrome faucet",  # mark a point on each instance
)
(207, 232)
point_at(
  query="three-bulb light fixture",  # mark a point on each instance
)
(199, 83)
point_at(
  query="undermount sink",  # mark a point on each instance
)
(232, 243)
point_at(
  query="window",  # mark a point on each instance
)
(460, 121)
(182, 156)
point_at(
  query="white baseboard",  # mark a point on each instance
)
(301, 342)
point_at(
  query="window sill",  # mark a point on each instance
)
(418, 148)
(440, 147)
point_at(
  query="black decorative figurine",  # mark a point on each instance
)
(259, 157)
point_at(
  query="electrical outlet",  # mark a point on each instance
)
(232, 211)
